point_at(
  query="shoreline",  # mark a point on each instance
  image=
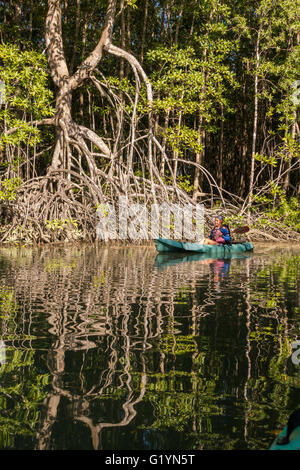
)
(134, 244)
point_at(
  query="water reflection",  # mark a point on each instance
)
(219, 266)
(115, 347)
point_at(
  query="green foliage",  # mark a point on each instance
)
(201, 59)
(21, 235)
(60, 224)
(184, 182)
(287, 212)
(186, 83)
(279, 209)
(182, 138)
(66, 229)
(189, 84)
(132, 3)
(27, 94)
(8, 189)
(278, 64)
(265, 159)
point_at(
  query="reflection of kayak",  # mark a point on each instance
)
(163, 260)
(166, 245)
(289, 438)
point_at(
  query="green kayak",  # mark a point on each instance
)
(289, 438)
(166, 245)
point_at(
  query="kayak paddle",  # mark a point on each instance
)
(244, 229)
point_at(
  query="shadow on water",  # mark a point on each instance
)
(120, 348)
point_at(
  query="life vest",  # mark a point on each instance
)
(227, 226)
(217, 232)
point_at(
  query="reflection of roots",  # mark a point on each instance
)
(129, 414)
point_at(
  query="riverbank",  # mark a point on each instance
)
(35, 230)
(254, 236)
(260, 244)
(65, 235)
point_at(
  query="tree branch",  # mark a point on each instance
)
(114, 50)
(46, 121)
(94, 58)
(54, 43)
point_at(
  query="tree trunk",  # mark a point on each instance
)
(164, 143)
(221, 148)
(77, 25)
(66, 128)
(286, 183)
(144, 32)
(178, 22)
(252, 170)
(199, 161)
(123, 39)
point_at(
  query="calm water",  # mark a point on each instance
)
(118, 348)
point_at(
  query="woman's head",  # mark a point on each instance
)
(219, 220)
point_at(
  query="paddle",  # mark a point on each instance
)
(243, 229)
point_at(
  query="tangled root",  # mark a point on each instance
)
(62, 207)
(52, 209)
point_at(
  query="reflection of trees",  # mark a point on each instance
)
(123, 340)
(22, 389)
(18, 397)
(271, 327)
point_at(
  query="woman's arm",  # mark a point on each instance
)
(225, 234)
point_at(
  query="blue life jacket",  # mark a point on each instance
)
(225, 233)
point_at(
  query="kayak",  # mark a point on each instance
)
(289, 438)
(292, 444)
(166, 259)
(166, 245)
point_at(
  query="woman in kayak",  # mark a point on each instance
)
(219, 234)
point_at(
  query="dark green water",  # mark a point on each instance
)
(114, 348)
